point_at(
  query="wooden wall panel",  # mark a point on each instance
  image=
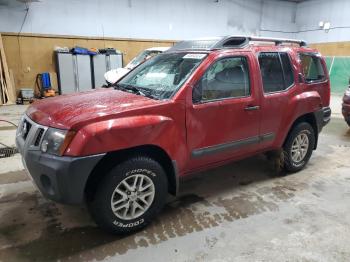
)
(333, 49)
(29, 55)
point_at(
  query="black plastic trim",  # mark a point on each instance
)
(65, 177)
(231, 145)
(176, 173)
(323, 117)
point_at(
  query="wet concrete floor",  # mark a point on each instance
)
(243, 211)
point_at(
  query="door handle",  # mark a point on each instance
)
(252, 108)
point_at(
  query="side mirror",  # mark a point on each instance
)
(197, 93)
(300, 78)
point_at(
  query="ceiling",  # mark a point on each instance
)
(19, 3)
(295, 1)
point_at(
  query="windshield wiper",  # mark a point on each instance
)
(135, 90)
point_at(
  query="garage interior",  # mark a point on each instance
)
(242, 211)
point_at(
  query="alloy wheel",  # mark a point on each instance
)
(300, 147)
(132, 197)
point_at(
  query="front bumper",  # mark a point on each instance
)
(59, 178)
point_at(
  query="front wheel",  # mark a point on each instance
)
(298, 147)
(130, 196)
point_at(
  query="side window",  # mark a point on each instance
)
(226, 78)
(276, 71)
(271, 72)
(312, 67)
(287, 69)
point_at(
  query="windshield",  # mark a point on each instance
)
(142, 57)
(163, 75)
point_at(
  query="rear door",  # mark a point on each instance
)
(278, 80)
(223, 119)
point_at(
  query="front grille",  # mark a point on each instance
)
(39, 136)
(29, 134)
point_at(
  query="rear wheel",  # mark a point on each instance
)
(130, 196)
(298, 147)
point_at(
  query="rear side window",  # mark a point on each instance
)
(276, 71)
(312, 68)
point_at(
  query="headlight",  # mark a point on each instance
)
(56, 141)
(19, 130)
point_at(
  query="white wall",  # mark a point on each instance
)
(310, 13)
(279, 19)
(181, 19)
(158, 19)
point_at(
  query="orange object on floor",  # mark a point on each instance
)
(49, 93)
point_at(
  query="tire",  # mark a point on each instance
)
(294, 162)
(139, 168)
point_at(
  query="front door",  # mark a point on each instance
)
(223, 119)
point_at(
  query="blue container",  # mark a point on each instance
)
(45, 80)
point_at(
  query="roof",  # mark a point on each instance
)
(214, 43)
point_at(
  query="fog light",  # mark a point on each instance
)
(44, 146)
(47, 185)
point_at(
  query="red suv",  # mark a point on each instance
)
(199, 105)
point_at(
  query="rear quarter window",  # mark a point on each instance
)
(312, 67)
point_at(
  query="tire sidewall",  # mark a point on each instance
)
(302, 128)
(102, 203)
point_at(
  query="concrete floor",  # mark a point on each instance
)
(239, 212)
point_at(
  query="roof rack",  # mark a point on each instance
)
(230, 42)
(278, 41)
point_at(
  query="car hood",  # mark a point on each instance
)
(72, 111)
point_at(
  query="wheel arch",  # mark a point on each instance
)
(111, 159)
(308, 118)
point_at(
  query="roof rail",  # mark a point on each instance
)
(229, 42)
(277, 41)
